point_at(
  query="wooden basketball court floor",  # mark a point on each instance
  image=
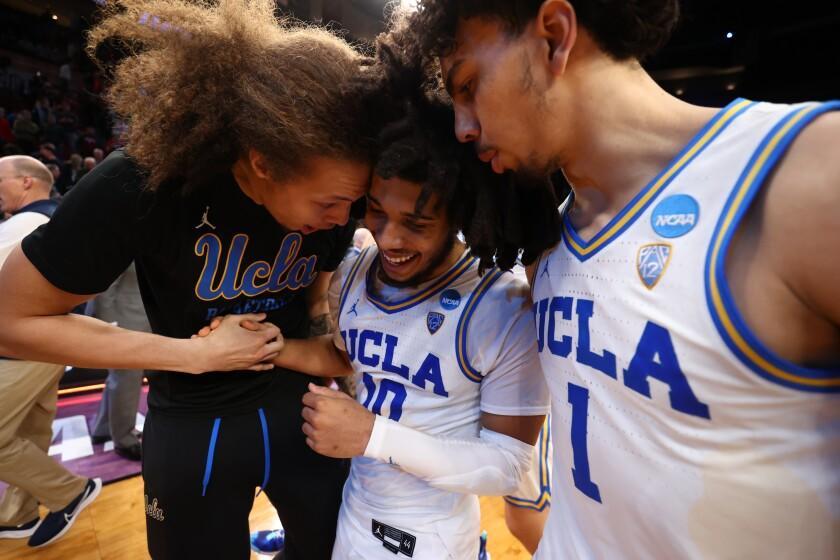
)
(114, 528)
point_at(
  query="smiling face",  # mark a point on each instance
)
(413, 247)
(499, 84)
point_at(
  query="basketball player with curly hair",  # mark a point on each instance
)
(232, 196)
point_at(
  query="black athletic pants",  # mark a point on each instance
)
(199, 487)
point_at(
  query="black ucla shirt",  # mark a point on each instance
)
(213, 252)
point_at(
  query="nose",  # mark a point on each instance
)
(388, 237)
(467, 128)
(340, 215)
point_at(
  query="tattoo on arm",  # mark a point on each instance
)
(320, 325)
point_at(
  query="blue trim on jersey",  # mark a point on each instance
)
(544, 498)
(208, 467)
(728, 320)
(433, 289)
(348, 282)
(584, 250)
(463, 323)
(266, 451)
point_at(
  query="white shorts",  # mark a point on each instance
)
(363, 537)
(534, 491)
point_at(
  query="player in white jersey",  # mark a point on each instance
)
(689, 320)
(450, 392)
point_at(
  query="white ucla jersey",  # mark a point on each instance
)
(433, 359)
(677, 434)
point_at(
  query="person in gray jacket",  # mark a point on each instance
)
(121, 304)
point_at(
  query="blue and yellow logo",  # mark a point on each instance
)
(651, 262)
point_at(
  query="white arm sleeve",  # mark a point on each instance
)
(492, 464)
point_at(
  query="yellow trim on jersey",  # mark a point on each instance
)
(717, 300)
(663, 180)
(461, 333)
(455, 272)
(544, 497)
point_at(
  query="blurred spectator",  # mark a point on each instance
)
(121, 304)
(87, 143)
(53, 133)
(41, 111)
(70, 174)
(87, 164)
(46, 153)
(98, 155)
(362, 238)
(65, 75)
(6, 135)
(26, 131)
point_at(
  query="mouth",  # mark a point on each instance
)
(487, 155)
(396, 263)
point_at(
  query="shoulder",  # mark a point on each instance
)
(798, 210)
(804, 190)
(499, 300)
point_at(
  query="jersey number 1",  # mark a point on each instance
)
(579, 399)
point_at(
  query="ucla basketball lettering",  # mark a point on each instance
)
(365, 347)
(217, 280)
(655, 356)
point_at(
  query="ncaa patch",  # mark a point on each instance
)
(651, 263)
(450, 299)
(434, 321)
(675, 216)
(393, 539)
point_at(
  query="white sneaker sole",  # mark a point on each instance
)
(97, 488)
(22, 534)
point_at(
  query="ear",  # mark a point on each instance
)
(258, 164)
(556, 23)
(27, 183)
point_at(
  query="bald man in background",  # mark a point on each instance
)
(29, 390)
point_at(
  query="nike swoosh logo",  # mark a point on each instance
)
(69, 518)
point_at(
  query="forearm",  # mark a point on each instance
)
(490, 465)
(316, 356)
(87, 342)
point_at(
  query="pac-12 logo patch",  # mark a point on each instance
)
(675, 216)
(450, 299)
(434, 321)
(651, 263)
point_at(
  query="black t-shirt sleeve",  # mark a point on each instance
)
(339, 240)
(93, 236)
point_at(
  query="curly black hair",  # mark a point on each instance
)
(501, 217)
(624, 29)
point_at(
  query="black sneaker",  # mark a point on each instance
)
(19, 531)
(132, 452)
(56, 523)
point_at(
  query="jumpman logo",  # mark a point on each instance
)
(545, 270)
(353, 309)
(378, 531)
(204, 220)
